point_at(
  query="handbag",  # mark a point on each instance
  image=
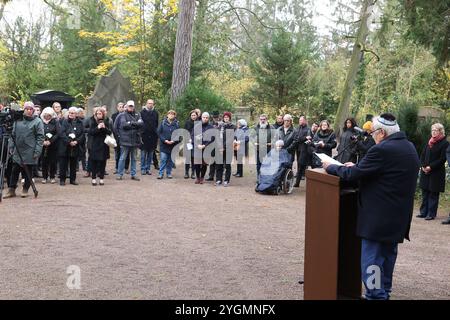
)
(110, 141)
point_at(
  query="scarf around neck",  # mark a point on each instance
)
(434, 140)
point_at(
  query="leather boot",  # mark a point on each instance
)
(10, 194)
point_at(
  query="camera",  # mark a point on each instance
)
(8, 116)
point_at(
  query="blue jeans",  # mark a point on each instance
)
(146, 160)
(124, 151)
(166, 163)
(377, 267)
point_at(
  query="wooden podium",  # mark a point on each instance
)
(332, 249)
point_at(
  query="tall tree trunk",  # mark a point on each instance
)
(2, 9)
(183, 49)
(363, 31)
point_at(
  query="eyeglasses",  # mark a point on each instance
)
(373, 131)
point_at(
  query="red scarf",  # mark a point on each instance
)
(435, 140)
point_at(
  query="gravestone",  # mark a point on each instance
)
(110, 90)
(243, 112)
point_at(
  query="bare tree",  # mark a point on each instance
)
(357, 56)
(183, 49)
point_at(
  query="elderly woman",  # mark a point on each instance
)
(324, 141)
(241, 146)
(98, 149)
(432, 173)
(347, 143)
(71, 137)
(200, 140)
(50, 146)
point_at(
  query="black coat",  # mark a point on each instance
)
(363, 146)
(347, 147)
(200, 136)
(98, 149)
(263, 140)
(165, 132)
(68, 127)
(128, 127)
(52, 129)
(387, 178)
(435, 158)
(226, 136)
(288, 138)
(328, 138)
(150, 129)
(301, 148)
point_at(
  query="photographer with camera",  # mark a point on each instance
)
(71, 138)
(28, 134)
(365, 142)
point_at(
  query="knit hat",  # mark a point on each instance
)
(367, 126)
(227, 114)
(242, 123)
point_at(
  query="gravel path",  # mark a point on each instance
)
(172, 239)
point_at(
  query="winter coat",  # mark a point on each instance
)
(347, 147)
(29, 137)
(387, 178)
(98, 149)
(199, 136)
(165, 133)
(435, 158)
(52, 129)
(329, 138)
(128, 128)
(150, 129)
(364, 145)
(288, 138)
(67, 127)
(300, 146)
(263, 138)
(226, 136)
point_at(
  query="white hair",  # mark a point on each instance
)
(48, 110)
(242, 122)
(279, 143)
(287, 117)
(205, 114)
(440, 127)
(73, 109)
(390, 127)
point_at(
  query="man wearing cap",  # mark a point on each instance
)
(127, 126)
(387, 178)
(29, 138)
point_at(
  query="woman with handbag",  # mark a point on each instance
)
(99, 129)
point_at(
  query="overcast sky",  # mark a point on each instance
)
(32, 9)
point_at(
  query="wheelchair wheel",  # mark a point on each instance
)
(288, 181)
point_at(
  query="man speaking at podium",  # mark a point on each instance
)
(387, 178)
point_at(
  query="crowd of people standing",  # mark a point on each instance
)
(59, 141)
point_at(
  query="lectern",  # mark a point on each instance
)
(332, 249)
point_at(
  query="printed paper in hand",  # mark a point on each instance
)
(323, 157)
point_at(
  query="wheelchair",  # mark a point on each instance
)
(286, 184)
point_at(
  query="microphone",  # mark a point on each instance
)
(359, 129)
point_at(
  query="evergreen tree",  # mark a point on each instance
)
(280, 72)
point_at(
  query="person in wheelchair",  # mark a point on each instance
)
(276, 175)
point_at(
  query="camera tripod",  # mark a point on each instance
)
(4, 164)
